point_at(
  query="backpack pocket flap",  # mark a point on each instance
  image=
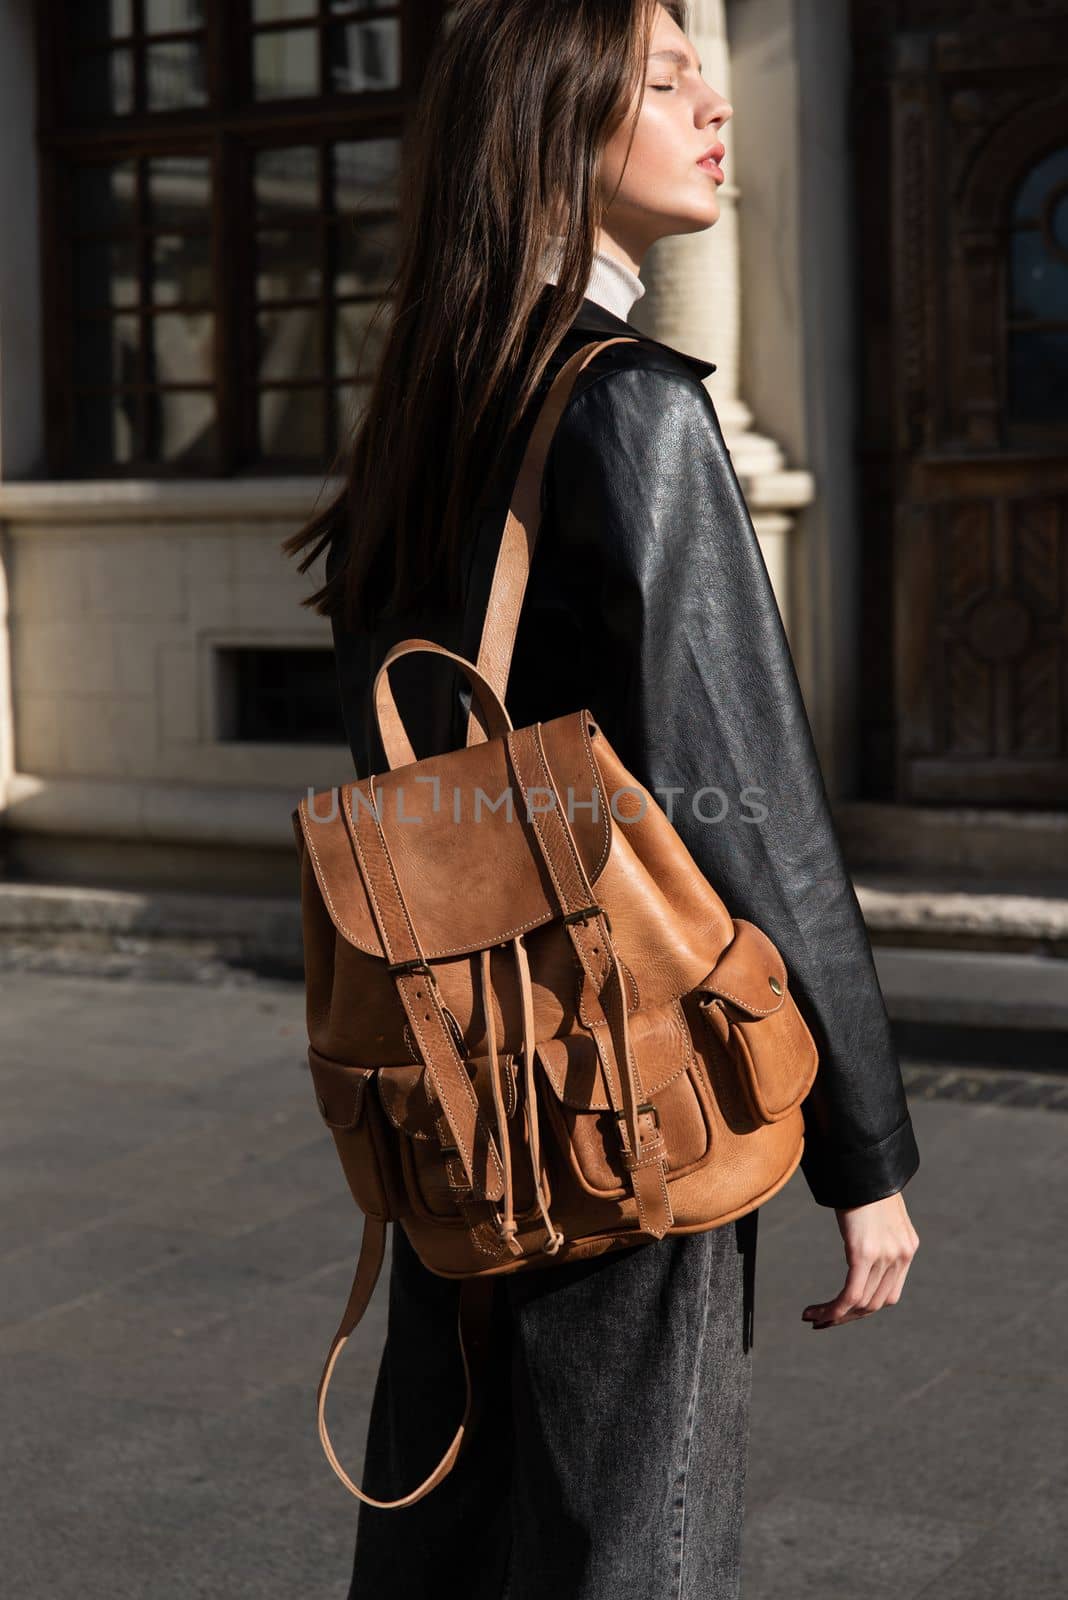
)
(404, 1100)
(340, 1090)
(775, 1057)
(587, 1132)
(402, 1094)
(660, 1042)
(402, 1091)
(346, 1105)
(750, 1012)
(750, 974)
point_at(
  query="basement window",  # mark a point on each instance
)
(278, 695)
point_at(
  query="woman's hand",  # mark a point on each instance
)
(880, 1243)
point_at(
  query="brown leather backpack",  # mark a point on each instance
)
(536, 1032)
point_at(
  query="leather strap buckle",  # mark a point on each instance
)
(462, 1189)
(415, 964)
(646, 1105)
(585, 913)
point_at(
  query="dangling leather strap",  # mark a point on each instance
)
(506, 1226)
(644, 1154)
(520, 535)
(417, 987)
(554, 1237)
(473, 1323)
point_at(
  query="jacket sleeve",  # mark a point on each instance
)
(694, 685)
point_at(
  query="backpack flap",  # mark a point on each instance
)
(346, 1104)
(746, 1003)
(402, 1091)
(671, 1090)
(448, 828)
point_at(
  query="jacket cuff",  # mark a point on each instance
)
(844, 1178)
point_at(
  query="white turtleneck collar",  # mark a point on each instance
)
(611, 284)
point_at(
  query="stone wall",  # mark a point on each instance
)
(120, 596)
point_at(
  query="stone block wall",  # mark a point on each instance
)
(119, 598)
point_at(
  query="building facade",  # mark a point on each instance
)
(201, 209)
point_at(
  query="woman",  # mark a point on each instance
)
(557, 143)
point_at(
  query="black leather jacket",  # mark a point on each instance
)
(649, 603)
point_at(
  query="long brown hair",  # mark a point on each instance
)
(518, 100)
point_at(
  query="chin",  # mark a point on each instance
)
(695, 222)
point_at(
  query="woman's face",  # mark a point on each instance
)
(663, 186)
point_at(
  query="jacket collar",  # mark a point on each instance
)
(594, 318)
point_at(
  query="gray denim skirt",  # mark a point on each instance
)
(610, 1455)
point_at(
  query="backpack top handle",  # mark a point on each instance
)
(391, 729)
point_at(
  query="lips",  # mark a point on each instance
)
(709, 163)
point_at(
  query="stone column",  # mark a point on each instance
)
(7, 711)
(21, 367)
(692, 301)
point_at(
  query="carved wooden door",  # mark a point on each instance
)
(961, 113)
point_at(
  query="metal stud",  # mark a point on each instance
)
(776, 986)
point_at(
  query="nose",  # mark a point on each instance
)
(721, 112)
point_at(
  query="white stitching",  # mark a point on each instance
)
(570, 845)
(599, 781)
(508, 1065)
(760, 1011)
(324, 890)
(376, 949)
(685, 1039)
(664, 1191)
(407, 978)
(521, 927)
(641, 1209)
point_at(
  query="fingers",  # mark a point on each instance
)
(879, 1258)
(863, 1277)
(888, 1290)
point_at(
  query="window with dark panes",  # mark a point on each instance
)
(1037, 282)
(277, 695)
(219, 225)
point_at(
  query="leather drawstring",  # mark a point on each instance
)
(555, 1237)
(506, 1223)
(506, 1227)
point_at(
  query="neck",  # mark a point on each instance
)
(611, 284)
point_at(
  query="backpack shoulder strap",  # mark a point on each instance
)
(512, 569)
(473, 1325)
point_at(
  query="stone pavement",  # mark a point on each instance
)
(176, 1245)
